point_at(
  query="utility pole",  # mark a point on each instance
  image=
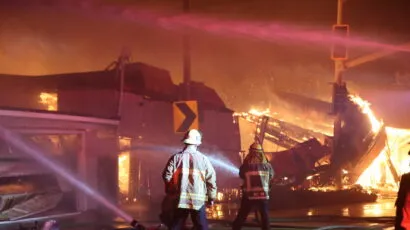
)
(186, 46)
(122, 61)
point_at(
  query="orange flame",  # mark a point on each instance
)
(310, 124)
(365, 107)
(396, 149)
(50, 100)
(124, 166)
(379, 175)
(259, 113)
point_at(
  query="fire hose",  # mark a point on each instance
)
(274, 223)
(136, 225)
(347, 226)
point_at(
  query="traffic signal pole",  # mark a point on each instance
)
(339, 63)
(374, 56)
(338, 82)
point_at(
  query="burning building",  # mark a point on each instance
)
(117, 140)
(306, 156)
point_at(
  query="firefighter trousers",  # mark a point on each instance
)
(246, 207)
(198, 218)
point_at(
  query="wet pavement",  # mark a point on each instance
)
(382, 208)
(379, 215)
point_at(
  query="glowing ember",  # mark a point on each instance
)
(50, 100)
(220, 196)
(310, 124)
(259, 113)
(323, 189)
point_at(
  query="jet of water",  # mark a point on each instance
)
(37, 154)
(227, 166)
(34, 152)
(216, 158)
(266, 31)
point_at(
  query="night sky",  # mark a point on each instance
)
(45, 37)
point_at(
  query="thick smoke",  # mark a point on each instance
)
(244, 72)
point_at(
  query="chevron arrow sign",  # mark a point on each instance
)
(185, 116)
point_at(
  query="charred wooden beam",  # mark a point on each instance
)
(281, 142)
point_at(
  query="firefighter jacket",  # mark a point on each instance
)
(191, 177)
(403, 203)
(257, 178)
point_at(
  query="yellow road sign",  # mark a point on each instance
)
(185, 116)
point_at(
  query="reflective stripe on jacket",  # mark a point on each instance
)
(257, 179)
(191, 176)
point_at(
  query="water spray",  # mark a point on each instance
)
(38, 155)
(225, 165)
(218, 161)
(33, 151)
(265, 31)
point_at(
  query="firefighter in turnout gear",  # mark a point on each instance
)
(402, 220)
(191, 178)
(257, 173)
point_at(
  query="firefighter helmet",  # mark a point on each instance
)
(193, 137)
(256, 154)
(256, 147)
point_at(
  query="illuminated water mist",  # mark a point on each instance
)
(36, 153)
(218, 161)
(224, 165)
(39, 156)
(265, 31)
